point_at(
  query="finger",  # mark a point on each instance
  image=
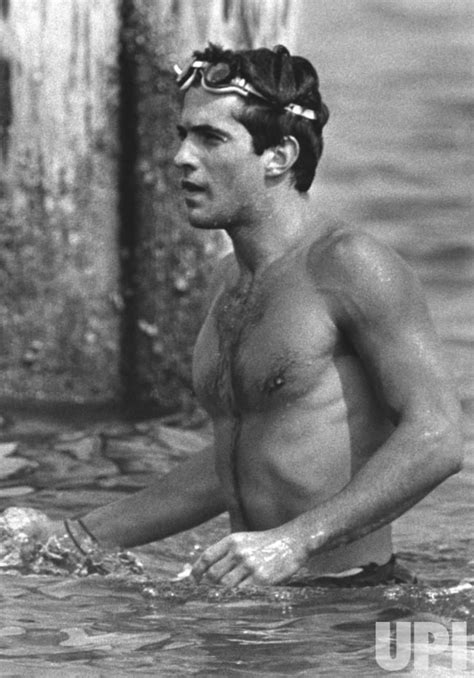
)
(220, 569)
(247, 583)
(209, 557)
(235, 577)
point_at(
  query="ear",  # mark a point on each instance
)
(280, 159)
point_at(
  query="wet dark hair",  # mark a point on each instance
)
(282, 79)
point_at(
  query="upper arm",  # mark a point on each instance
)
(382, 311)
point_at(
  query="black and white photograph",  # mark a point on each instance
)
(236, 338)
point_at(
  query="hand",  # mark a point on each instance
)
(31, 541)
(251, 558)
(28, 523)
(21, 531)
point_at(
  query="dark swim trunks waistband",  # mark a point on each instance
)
(368, 575)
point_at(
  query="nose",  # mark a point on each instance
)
(185, 158)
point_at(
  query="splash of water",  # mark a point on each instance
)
(22, 550)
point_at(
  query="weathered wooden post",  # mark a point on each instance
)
(102, 278)
(59, 327)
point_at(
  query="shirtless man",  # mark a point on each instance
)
(317, 362)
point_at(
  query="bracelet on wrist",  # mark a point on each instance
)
(85, 541)
(85, 529)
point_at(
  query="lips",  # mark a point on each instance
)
(191, 187)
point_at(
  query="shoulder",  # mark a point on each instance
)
(364, 276)
(347, 254)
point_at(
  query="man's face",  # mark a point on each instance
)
(221, 175)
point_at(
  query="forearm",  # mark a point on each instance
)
(189, 495)
(405, 469)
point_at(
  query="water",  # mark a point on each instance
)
(397, 77)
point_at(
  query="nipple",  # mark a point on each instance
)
(276, 383)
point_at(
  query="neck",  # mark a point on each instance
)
(272, 233)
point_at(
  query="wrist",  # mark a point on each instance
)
(309, 538)
(79, 536)
(293, 542)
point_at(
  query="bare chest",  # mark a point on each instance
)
(263, 346)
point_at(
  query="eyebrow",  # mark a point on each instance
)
(201, 129)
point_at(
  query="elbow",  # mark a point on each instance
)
(445, 446)
(454, 461)
(457, 460)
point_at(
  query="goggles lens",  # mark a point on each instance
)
(217, 74)
(213, 76)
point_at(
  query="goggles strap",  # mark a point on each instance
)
(307, 113)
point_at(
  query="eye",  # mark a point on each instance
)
(182, 133)
(212, 137)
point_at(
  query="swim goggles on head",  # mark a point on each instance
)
(218, 79)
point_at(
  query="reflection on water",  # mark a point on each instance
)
(397, 77)
(176, 629)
